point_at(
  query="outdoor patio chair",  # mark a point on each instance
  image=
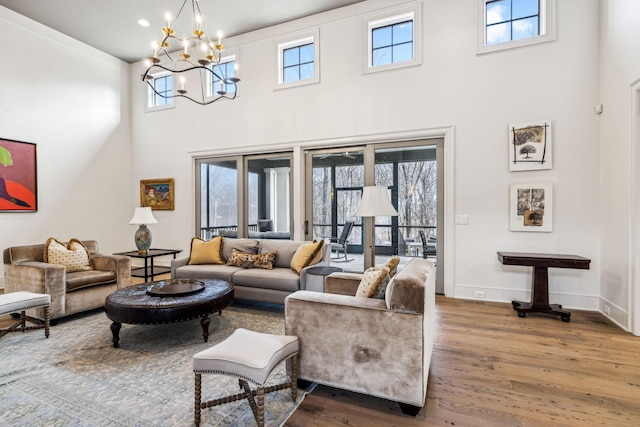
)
(341, 243)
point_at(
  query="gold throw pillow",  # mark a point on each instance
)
(206, 252)
(307, 254)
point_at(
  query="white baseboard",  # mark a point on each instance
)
(614, 313)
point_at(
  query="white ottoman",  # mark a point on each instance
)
(19, 302)
(249, 356)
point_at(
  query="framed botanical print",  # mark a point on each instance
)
(530, 146)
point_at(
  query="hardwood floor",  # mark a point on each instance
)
(491, 368)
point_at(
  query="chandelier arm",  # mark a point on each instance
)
(210, 101)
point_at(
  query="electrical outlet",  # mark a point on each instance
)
(607, 310)
(461, 219)
(478, 294)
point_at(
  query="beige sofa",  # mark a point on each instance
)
(24, 270)
(382, 347)
(254, 284)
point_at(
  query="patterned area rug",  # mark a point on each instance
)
(76, 378)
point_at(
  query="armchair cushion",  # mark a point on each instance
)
(75, 256)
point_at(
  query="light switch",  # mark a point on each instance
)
(461, 219)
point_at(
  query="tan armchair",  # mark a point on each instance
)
(379, 347)
(24, 270)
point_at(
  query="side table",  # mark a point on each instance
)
(149, 271)
(540, 279)
(316, 275)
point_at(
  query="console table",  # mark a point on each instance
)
(540, 279)
(150, 271)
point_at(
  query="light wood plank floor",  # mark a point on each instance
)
(492, 368)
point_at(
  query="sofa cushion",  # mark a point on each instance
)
(84, 279)
(206, 252)
(307, 254)
(249, 246)
(205, 272)
(246, 260)
(280, 279)
(371, 281)
(75, 256)
(286, 250)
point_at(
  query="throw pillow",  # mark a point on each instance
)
(75, 256)
(382, 289)
(307, 254)
(392, 264)
(206, 252)
(246, 260)
(371, 281)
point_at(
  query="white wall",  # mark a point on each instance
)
(620, 69)
(477, 95)
(73, 102)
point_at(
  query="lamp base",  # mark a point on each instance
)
(143, 239)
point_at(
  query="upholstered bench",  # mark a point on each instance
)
(19, 302)
(249, 356)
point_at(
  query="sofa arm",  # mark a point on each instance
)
(175, 263)
(342, 283)
(41, 278)
(119, 264)
(382, 355)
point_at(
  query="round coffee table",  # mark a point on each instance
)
(134, 305)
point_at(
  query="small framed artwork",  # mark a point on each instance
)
(531, 207)
(530, 146)
(157, 194)
(18, 176)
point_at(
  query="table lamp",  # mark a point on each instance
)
(142, 217)
(375, 202)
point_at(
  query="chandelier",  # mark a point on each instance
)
(193, 57)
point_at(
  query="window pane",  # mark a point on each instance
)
(499, 33)
(524, 8)
(525, 28)
(498, 11)
(218, 195)
(306, 71)
(381, 56)
(291, 74)
(161, 84)
(403, 52)
(306, 53)
(291, 56)
(403, 32)
(381, 37)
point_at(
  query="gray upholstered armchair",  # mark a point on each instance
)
(24, 270)
(379, 347)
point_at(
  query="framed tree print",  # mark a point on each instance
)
(531, 207)
(530, 146)
(18, 176)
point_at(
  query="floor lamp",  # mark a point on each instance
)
(375, 202)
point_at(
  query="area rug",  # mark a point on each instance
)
(76, 377)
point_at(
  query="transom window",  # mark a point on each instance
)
(511, 20)
(297, 63)
(159, 96)
(508, 24)
(392, 43)
(225, 70)
(298, 59)
(393, 39)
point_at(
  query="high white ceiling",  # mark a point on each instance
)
(112, 25)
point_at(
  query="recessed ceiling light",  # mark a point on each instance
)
(143, 22)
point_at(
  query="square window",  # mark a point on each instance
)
(393, 39)
(298, 60)
(507, 24)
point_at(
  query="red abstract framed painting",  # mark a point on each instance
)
(18, 176)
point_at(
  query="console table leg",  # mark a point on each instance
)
(205, 321)
(540, 297)
(115, 330)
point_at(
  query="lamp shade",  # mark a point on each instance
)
(375, 202)
(143, 216)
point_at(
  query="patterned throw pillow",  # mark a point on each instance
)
(382, 289)
(307, 254)
(206, 252)
(245, 260)
(371, 280)
(392, 264)
(75, 256)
